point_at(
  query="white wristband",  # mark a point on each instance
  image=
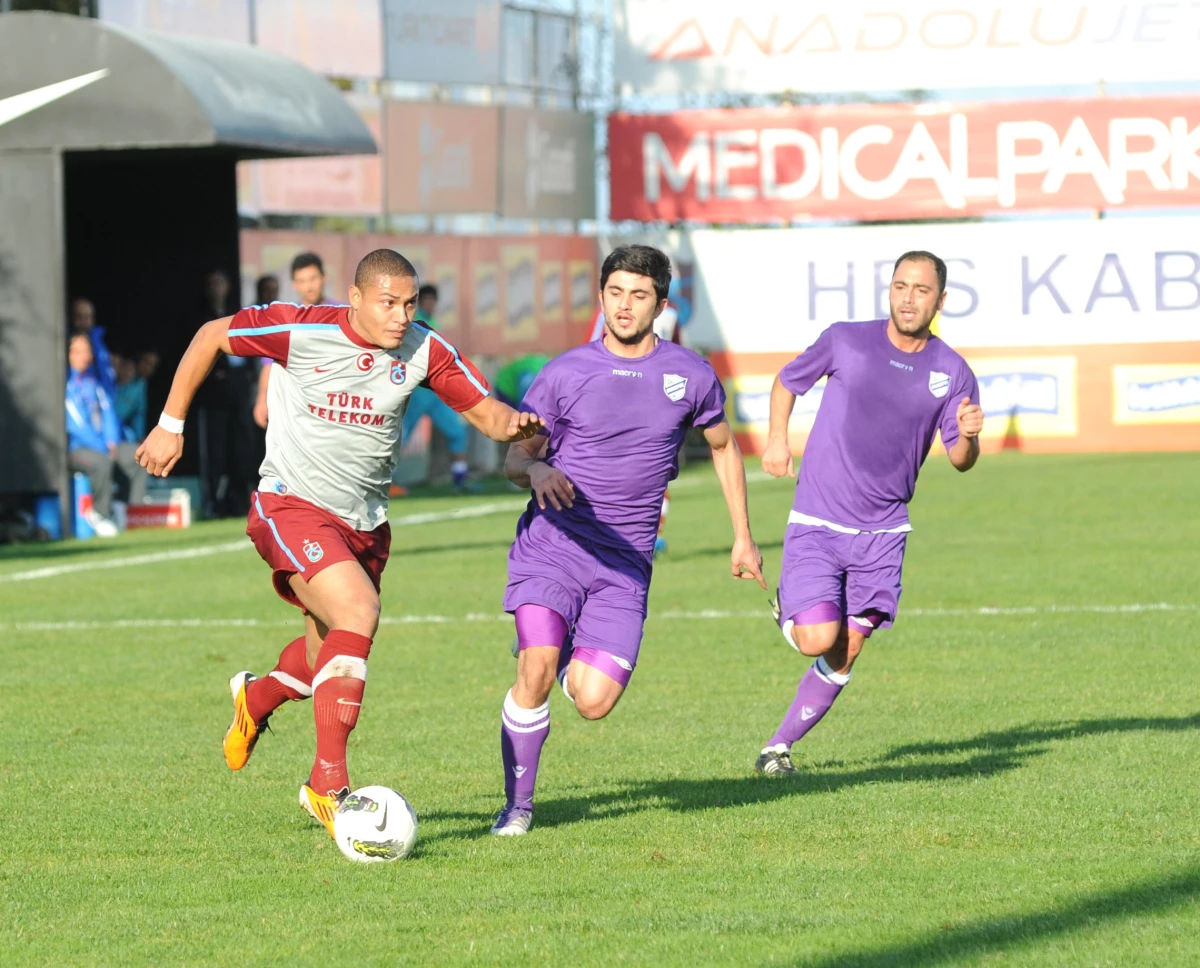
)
(172, 425)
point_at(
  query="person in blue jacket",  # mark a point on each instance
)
(83, 323)
(94, 444)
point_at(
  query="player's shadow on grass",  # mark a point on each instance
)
(953, 943)
(988, 754)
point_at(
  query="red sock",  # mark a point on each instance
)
(290, 679)
(338, 684)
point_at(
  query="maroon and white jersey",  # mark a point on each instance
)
(337, 402)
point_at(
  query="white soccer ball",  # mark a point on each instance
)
(375, 824)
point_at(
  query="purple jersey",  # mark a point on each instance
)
(878, 415)
(615, 427)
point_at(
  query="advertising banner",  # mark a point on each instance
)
(548, 164)
(905, 161)
(442, 41)
(341, 39)
(864, 45)
(1084, 334)
(441, 158)
(1026, 283)
(338, 185)
(221, 19)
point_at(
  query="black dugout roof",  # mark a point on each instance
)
(79, 84)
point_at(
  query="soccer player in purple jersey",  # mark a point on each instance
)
(615, 413)
(892, 385)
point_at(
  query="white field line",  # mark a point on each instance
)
(477, 617)
(242, 544)
(224, 547)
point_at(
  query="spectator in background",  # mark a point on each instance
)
(83, 323)
(94, 445)
(147, 364)
(266, 290)
(513, 380)
(131, 402)
(424, 402)
(308, 279)
(227, 437)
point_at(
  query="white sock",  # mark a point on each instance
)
(825, 672)
(521, 715)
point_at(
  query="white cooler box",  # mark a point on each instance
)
(164, 509)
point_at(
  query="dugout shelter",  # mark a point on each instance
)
(118, 183)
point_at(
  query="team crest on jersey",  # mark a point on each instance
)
(365, 361)
(939, 383)
(313, 551)
(674, 386)
(399, 372)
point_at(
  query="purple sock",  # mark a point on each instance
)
(522, 733)
(818, 689)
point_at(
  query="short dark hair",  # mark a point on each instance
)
(306, 259)
(920, 255)
(261, 283)
(428, 289)
(643, 260)
(382, 262)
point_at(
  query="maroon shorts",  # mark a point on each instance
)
(296, 537)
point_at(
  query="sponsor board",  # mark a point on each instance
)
(1156, 394)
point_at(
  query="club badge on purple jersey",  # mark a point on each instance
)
(674, 386)
(939, 383)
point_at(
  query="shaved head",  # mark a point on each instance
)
(382, 262)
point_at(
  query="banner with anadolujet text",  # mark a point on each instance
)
(1085, 334)
(881, 45)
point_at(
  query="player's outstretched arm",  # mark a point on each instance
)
(163, 446)
(964, 452)
(746, 559)
(501, 422)
(777, 458)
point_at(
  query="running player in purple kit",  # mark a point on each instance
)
(892, 386)
(615, 412)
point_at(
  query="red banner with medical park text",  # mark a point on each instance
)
(905, 161)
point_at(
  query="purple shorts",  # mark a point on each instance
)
(859, 574)
(599, 591)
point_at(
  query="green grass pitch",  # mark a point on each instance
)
(1007, 787)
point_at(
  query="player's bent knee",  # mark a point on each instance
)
(813, 640)
(595, 706)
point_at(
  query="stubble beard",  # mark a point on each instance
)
(633, 338)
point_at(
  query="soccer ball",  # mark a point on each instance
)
(375, 824)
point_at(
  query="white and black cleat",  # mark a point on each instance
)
(775, 761)
(513, 822)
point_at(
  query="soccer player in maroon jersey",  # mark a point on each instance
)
(319, 516)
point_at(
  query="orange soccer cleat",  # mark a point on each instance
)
(244, 732)
(322, 808)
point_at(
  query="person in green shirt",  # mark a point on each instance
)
(514, 379)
